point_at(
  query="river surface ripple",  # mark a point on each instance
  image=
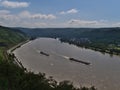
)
(104, 71)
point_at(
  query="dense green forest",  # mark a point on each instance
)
(8, 38)
(99, 39)
(12, 77)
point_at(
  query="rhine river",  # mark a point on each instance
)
(103, 73)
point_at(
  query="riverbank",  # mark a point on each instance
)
(9, 51)
(96, 47)
(11, 54)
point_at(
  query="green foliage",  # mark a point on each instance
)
(13, 77)
(65, 85)
(8, 38)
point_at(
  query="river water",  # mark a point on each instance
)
(104, 71)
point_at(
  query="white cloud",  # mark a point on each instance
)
(14, 4)
(43, 16)
(28, 19)
(4, 12)
(81, 22)
(8, 17)
(71, 11)
(117, 24)
(32, 24)
(26, 14)
(5, 15)
(25, 19)
(86, 23)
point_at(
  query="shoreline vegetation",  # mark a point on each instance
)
(110, 51)
(12, 55)
(104, 40)
(15, 77)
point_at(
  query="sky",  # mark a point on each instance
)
(60, 13)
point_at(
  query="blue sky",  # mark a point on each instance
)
(60, 13)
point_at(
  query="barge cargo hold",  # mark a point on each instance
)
(43, 53)
(76, 60)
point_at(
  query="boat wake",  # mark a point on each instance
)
(63, 56)
(66, 57)
(38, 51)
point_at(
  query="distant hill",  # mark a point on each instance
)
(100, 39)
(108, 35)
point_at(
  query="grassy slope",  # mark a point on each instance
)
(9, 38)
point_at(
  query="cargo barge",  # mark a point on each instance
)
(79, 61)
(43, 53)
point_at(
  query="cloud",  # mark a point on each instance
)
(86, 23)
(26, 14)
(71, 11)
(14, 4)
(25, 19)
(28, 19)
(43, 16)
(116, 24)
(32, 24)
(4, 12)
(6, 15)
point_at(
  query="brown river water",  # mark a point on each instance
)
(103, 73)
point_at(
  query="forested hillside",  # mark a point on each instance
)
(8, 38)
